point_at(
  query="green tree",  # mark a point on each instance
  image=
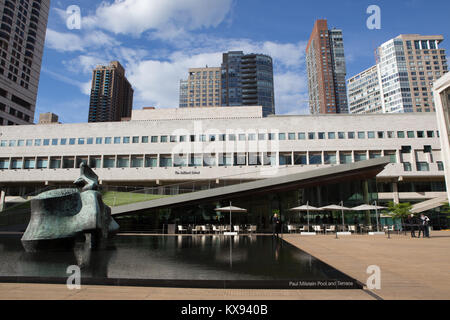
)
(446, 209)
(400, 210)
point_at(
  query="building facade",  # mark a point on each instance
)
(201, 89)
(48, 117)
(364, 92)
(22, 37)
(407, 66)
(111, 94)
(325, 60)
(442, 102)
(247, 80)
(179, 147)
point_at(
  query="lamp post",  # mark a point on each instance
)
(376, 216)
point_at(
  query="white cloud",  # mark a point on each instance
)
(170, 17)
(71, 41)
(63, 41)
(155, 75)
(85, 87)
(156, 82)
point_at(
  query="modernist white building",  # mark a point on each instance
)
(442, 101)
(172, 146)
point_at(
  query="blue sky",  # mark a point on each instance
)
(158, 40)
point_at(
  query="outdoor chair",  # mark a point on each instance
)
(236, 229)
(292, 228)
(317, 229)
(352, 229)
(216, 229)
(252, 229)
(330, 229)
(181, 229)
(197, 229)
(203, 229)
(304, 229)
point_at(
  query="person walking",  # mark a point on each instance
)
(276, 225)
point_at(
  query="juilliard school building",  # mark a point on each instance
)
(194, 160)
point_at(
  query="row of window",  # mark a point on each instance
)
(206, 160)
(221, 137)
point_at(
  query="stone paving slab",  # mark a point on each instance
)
(411, 268)
(60, 292)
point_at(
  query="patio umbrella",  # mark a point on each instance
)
(368, 207)
(230, 209)
(306, 208)
(338, 207)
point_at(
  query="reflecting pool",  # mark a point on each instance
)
(178, 261)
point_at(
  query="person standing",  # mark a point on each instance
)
(276, 225)
(411, 222)
(426, 226)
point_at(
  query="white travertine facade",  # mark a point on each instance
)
(228, 145)
(196, 113)
(442, 101)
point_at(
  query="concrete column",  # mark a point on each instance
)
(395, 192)
(2, 198)
(366, 200)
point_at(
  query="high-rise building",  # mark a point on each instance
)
(364, 92)
(201, 89)
(406, 68)
(111, 94)
(22, 36)
(247, 80)
(47, 118)
(325, 60)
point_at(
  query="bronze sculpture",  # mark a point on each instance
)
(59, 217)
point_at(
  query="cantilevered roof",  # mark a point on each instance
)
(334, 174)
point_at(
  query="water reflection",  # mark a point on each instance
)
(205, 257)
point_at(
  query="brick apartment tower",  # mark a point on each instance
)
(111, 94)
(202, 88)
(22, 36)
(326, 67)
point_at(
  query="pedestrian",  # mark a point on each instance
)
(426, 226)
(411, 222)
(276, 225)
(317, 219)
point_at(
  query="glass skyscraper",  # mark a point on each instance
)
(247, 80)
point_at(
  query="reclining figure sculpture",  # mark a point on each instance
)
(59, 217)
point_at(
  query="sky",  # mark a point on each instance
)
(158, 40)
